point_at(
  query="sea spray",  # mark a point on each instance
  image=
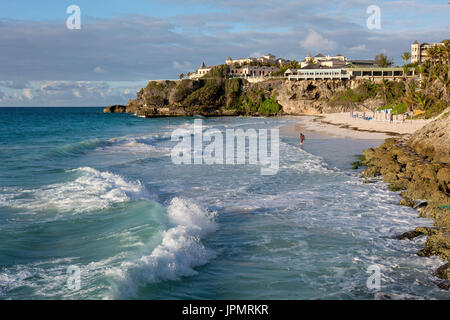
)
(92, 190)
(179, 253)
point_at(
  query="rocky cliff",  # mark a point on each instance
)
(433, 140)
(419, 168)
(233, 97)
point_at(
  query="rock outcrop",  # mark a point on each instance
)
(432, 141)
(419, 168)
(233, 97)
(115, 109)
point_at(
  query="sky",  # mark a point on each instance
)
(121, 45)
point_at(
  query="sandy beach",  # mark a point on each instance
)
(343, 125)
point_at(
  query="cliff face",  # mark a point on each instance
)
(419, 167)
(313, 97)
(433, 140)
(232, 97)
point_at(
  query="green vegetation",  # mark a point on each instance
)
(397, 108)
(290, 65)
(405, 57)
(221, 71)
(359, 163)
(431, 93)
(210, 95)
(349, 96)
(383, 61)
(269, 107)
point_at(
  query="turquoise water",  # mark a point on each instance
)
(100, 192)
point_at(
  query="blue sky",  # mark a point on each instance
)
(123, 44)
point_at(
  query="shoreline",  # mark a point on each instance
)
(343, 125)
(421, 183)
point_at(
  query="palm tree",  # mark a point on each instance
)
(444, 78)
(433, 53)
(406, 56)
(386, 87)
(181, 76)
(423, 100)
(383, 61)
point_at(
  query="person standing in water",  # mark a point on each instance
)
(302, 138)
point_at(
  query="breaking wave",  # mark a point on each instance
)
(92, 190)
(180, 251)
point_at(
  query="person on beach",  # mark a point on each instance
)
(302, 138)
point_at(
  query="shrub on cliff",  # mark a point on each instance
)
(269, 107)
(182, 90)
(211, 94)
(221, 71)
(232, 93)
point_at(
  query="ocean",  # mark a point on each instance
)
(93, 207)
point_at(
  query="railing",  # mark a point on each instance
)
(319, 77)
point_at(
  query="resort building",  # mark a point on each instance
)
(268, 58)
(252, 71)
(200, 72)
(240, 62)
(337, 61)
(419, 51)
(363, 63)
(372, 74)
(375, 74)
(316, 74)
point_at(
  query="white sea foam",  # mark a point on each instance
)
(144, 144)
(295, 158)
(179, 253)
(92, 190)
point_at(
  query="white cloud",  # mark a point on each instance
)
(314, 41)
(361, 47)
(27, 93)
(182, 66)
(77, 93)
(99, 70)
(256, 54)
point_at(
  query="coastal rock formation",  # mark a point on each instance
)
(433, 140)
(233, 97)
(419, 168)
(115, 109)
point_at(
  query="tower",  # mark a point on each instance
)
(415, 52)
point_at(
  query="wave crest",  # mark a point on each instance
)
(180, 251)
(92, 190)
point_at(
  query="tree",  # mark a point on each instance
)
(406, 56)
(181, 76)
(445, 80)
(423, 100)
(383, 61)
(386, 87)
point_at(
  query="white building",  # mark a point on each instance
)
(252, 71)
(337, 61)
(241, 62)
(419, 51)
(200, 72)
(268, 58)
(316, 74)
